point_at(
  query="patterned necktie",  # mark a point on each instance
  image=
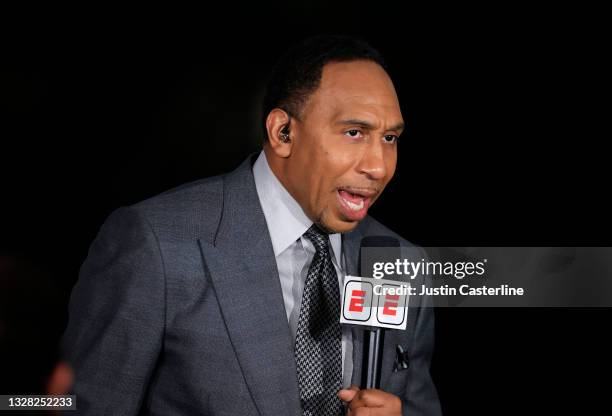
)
(318, 342)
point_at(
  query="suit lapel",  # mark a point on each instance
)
(242, 267)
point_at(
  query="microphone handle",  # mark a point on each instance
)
(374, 360)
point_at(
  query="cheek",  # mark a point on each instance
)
(336, 152)
(333, 165)
(328, 166)
(335, 161)
(390, 164)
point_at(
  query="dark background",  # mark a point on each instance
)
(505, 145)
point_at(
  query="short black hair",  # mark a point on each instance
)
(298, 72)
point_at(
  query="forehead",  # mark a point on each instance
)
(356, 88)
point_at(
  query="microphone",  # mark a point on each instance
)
(364, 304)
(374, 337)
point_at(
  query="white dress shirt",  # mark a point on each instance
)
(287, 224)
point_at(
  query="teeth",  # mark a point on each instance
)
(353, 206)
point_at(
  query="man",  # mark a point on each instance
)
(221, 297)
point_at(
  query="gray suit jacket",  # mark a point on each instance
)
(178, 310)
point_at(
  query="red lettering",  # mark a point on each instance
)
(390, 305)
(357, 298)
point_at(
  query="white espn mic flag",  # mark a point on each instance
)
(373, 302)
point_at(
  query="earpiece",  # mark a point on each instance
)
(284, 134)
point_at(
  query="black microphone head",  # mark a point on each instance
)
(379, 241)
(375, 249)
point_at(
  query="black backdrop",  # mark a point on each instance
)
(505, 146)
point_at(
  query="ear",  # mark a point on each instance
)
(278, 122)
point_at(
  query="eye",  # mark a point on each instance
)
(354, 133)
(390, 138)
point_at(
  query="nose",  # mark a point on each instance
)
(372, 162)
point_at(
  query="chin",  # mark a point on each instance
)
(337, 226)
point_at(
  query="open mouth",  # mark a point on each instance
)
(354, 202)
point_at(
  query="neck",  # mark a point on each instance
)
(278, 167)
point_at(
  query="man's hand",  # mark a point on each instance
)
(371, 402)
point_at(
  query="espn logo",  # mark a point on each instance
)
(375, 302)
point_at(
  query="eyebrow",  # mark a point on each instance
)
(367, 125)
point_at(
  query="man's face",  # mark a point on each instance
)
(344, 146)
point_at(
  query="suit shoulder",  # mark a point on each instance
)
(189, 210)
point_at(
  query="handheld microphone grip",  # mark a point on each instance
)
(374, 338)
(373, 347)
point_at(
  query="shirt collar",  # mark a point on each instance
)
(285, 218)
